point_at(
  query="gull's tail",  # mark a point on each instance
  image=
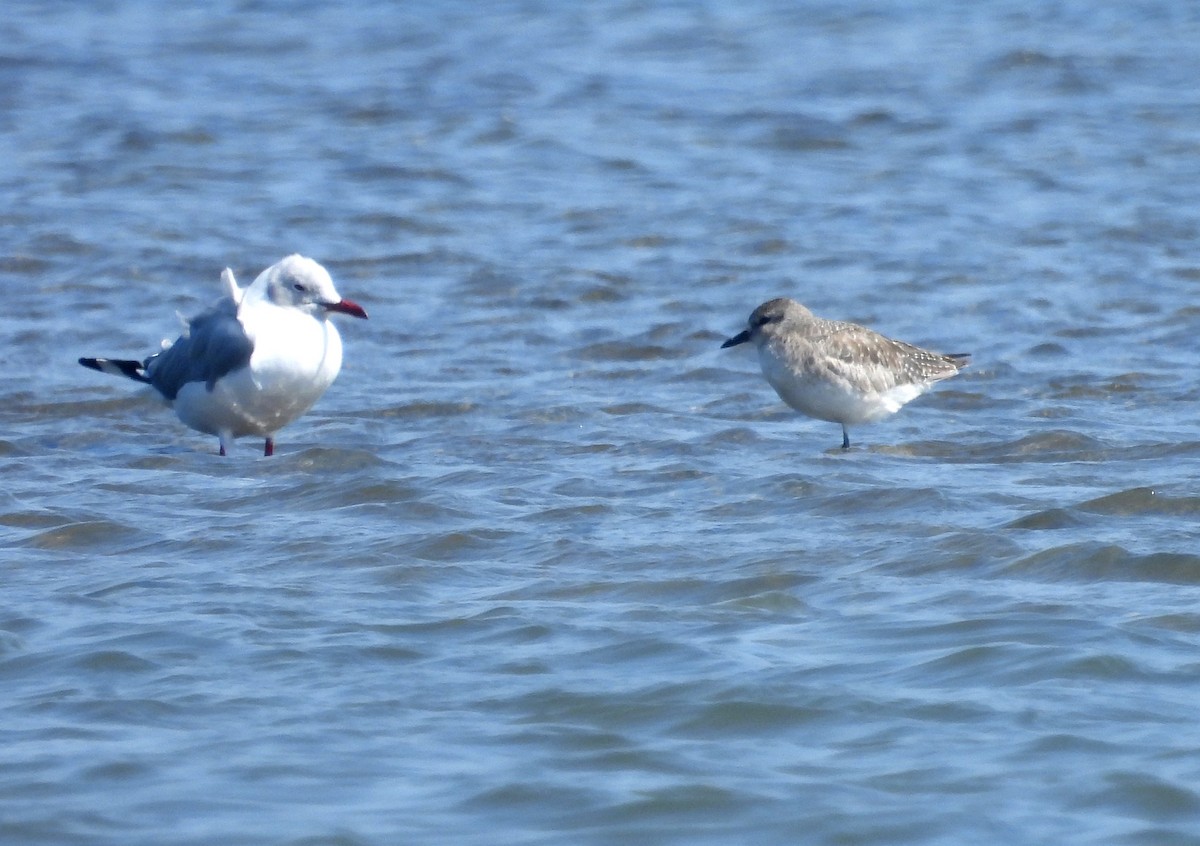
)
(134, 370)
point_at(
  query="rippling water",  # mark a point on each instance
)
(546, 565)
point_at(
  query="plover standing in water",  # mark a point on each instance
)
(838, 371)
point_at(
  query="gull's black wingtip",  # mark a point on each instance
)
(134, 370)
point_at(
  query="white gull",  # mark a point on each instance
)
(255, 361)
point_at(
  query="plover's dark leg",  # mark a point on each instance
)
(269, 447)
(845, 437)
(221, 451)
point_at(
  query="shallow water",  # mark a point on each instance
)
(546, 565)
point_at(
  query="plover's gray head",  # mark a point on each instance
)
(299, 282)
(767, 318)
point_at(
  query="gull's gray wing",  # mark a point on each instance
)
(214, 345)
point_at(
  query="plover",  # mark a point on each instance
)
(838, 371)
(256, 360)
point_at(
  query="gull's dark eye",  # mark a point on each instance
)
(299, 286)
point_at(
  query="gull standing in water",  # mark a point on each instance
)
(838, 371)
(255, 361)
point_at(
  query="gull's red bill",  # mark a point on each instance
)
(348, 307)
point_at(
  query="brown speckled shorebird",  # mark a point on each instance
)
(838, 371)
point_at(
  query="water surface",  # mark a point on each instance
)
(545, 565)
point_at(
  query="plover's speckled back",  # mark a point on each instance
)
(838, 371)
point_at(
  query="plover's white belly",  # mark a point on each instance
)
(847, 394)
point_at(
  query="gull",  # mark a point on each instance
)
(256, 360)
(838, 371)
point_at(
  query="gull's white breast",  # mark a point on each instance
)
(296, 358)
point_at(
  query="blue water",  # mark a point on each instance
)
(546, 565)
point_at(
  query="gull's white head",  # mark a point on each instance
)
(299, 282)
